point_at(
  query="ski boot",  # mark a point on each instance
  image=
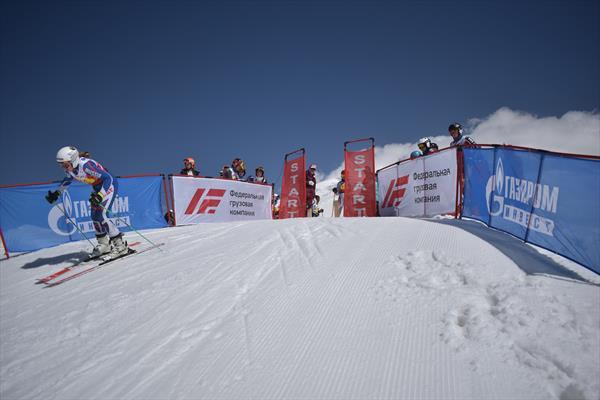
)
(119, 246)
(102, 248)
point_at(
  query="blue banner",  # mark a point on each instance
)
(546, 199)
(29, 223)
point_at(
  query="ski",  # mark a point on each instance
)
(99, 265)
(63, 271)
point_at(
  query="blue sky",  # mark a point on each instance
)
(143, 84)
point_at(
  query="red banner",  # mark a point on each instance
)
(293, 189)
(359, 196)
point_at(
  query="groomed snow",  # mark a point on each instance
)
(372, 308)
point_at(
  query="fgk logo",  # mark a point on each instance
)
(395, 192)
(209, 203)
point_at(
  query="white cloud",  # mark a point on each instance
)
(574, 132)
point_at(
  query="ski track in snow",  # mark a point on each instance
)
(309, 308)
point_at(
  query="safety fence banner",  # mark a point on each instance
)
(547, 199)
(199, 200)
(293, 187)
(360, 199)
(425, 186)
(29, 223)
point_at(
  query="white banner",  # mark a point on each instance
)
(198, 200)
(425, 186)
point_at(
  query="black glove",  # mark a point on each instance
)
(96, 199)
(51, 197)
(334, 190)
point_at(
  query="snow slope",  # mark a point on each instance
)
(312, 308)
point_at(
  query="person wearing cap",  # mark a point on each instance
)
(189, 167)
(311, 186)
(458, 139)
(259, 176)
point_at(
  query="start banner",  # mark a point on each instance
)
(425, 186)
(198, 200)
(293, 188)
(359, 196)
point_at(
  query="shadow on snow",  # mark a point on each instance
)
(525, 256)
(73, 258)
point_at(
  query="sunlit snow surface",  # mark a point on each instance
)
(386, 308)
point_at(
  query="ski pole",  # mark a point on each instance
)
(75, 224)
(131, 227)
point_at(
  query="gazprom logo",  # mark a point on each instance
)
(63, 216)
(520, 200)
(499, 176)
(495, 181)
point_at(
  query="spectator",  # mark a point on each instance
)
(311, 186)
(227, 172)
(315, 210)
(426, 146)
(189, 167)
(456, 131)
(259, 176)
(239, 169)
(170, 217)
(338, 205)
(275, 202)
(415, 154)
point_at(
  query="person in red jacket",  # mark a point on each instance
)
(311, 186)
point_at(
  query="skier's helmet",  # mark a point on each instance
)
(68, 154)
(456, 127)
(415, 154)
(424, 143)
(313, 166)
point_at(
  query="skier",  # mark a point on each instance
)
(189, 167)
(104, 191)
(456, 131)
(426, 146)
(338, 204)
(311, 186)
